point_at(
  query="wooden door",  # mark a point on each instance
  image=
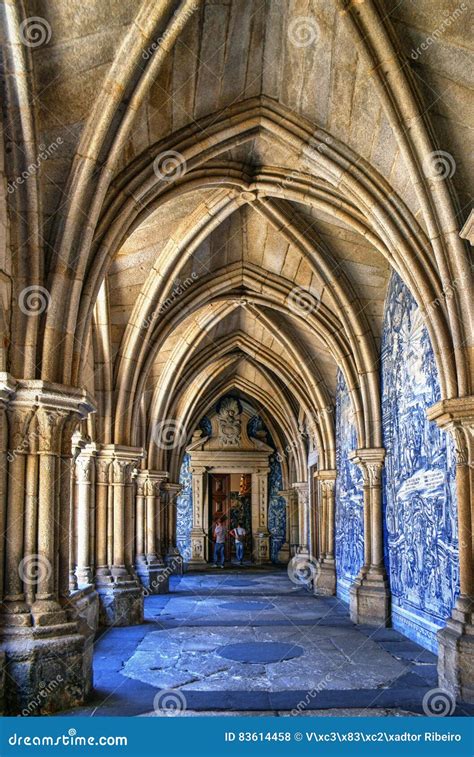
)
(219, 492)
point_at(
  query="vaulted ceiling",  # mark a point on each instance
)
(232, 183)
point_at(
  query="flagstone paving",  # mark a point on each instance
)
(254, 642)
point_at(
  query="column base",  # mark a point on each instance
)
(120, 602)
(370, 598)
(324, 584)
(174, 562)
(44, 669)
(153, 576)
(456, 652)
(284, 555)
(82, 607)
(261, 549)
(198, 549)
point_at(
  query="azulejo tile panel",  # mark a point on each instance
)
(349, 515)
(184, 507)
(421, 543)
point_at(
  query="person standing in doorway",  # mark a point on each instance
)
(239, 534)
(220, 532)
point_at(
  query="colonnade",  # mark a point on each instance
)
(88, 530)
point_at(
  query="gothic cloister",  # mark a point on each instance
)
(236, 279)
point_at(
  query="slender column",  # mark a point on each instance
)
(129, 512)
(65, 509)
(284, 553)
(370, 593)
(149, 565)
(19, 422)
(325, 580)
(101, 493)
(301, 489)
(140, 519)
(85, 465)
(199, 551)
(456, 640)
(261, 534)
(120, 594)
(78, 443)
(6, 392)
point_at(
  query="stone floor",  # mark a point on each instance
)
(251, 642)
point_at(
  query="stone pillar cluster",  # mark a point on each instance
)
(149, 561)
(82, 533)
(41, 634)
(325, 580)
(456, 640)
(370, 594)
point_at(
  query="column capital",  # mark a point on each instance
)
(173, 489)
(328, 474)
(457, 417)
(301, 488)
(84, 467)
(368, 456)
(7, 387)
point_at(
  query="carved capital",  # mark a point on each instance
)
(370, 461)
(50, 429)
(20, 425)
(456, 416)
(84, 466)
(102, 471)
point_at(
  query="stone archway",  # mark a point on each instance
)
(229, 449)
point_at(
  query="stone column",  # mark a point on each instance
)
(84, 470)
(261, 534)
(150, 568)
(456, 640)
(199, 541)
(370, 592)
(120, 593)
(102, 570)
(38, 638)
(325, 580)
(284, 553)
(302, 493)
(173, 559)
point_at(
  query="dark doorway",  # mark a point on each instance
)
(230, 496)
